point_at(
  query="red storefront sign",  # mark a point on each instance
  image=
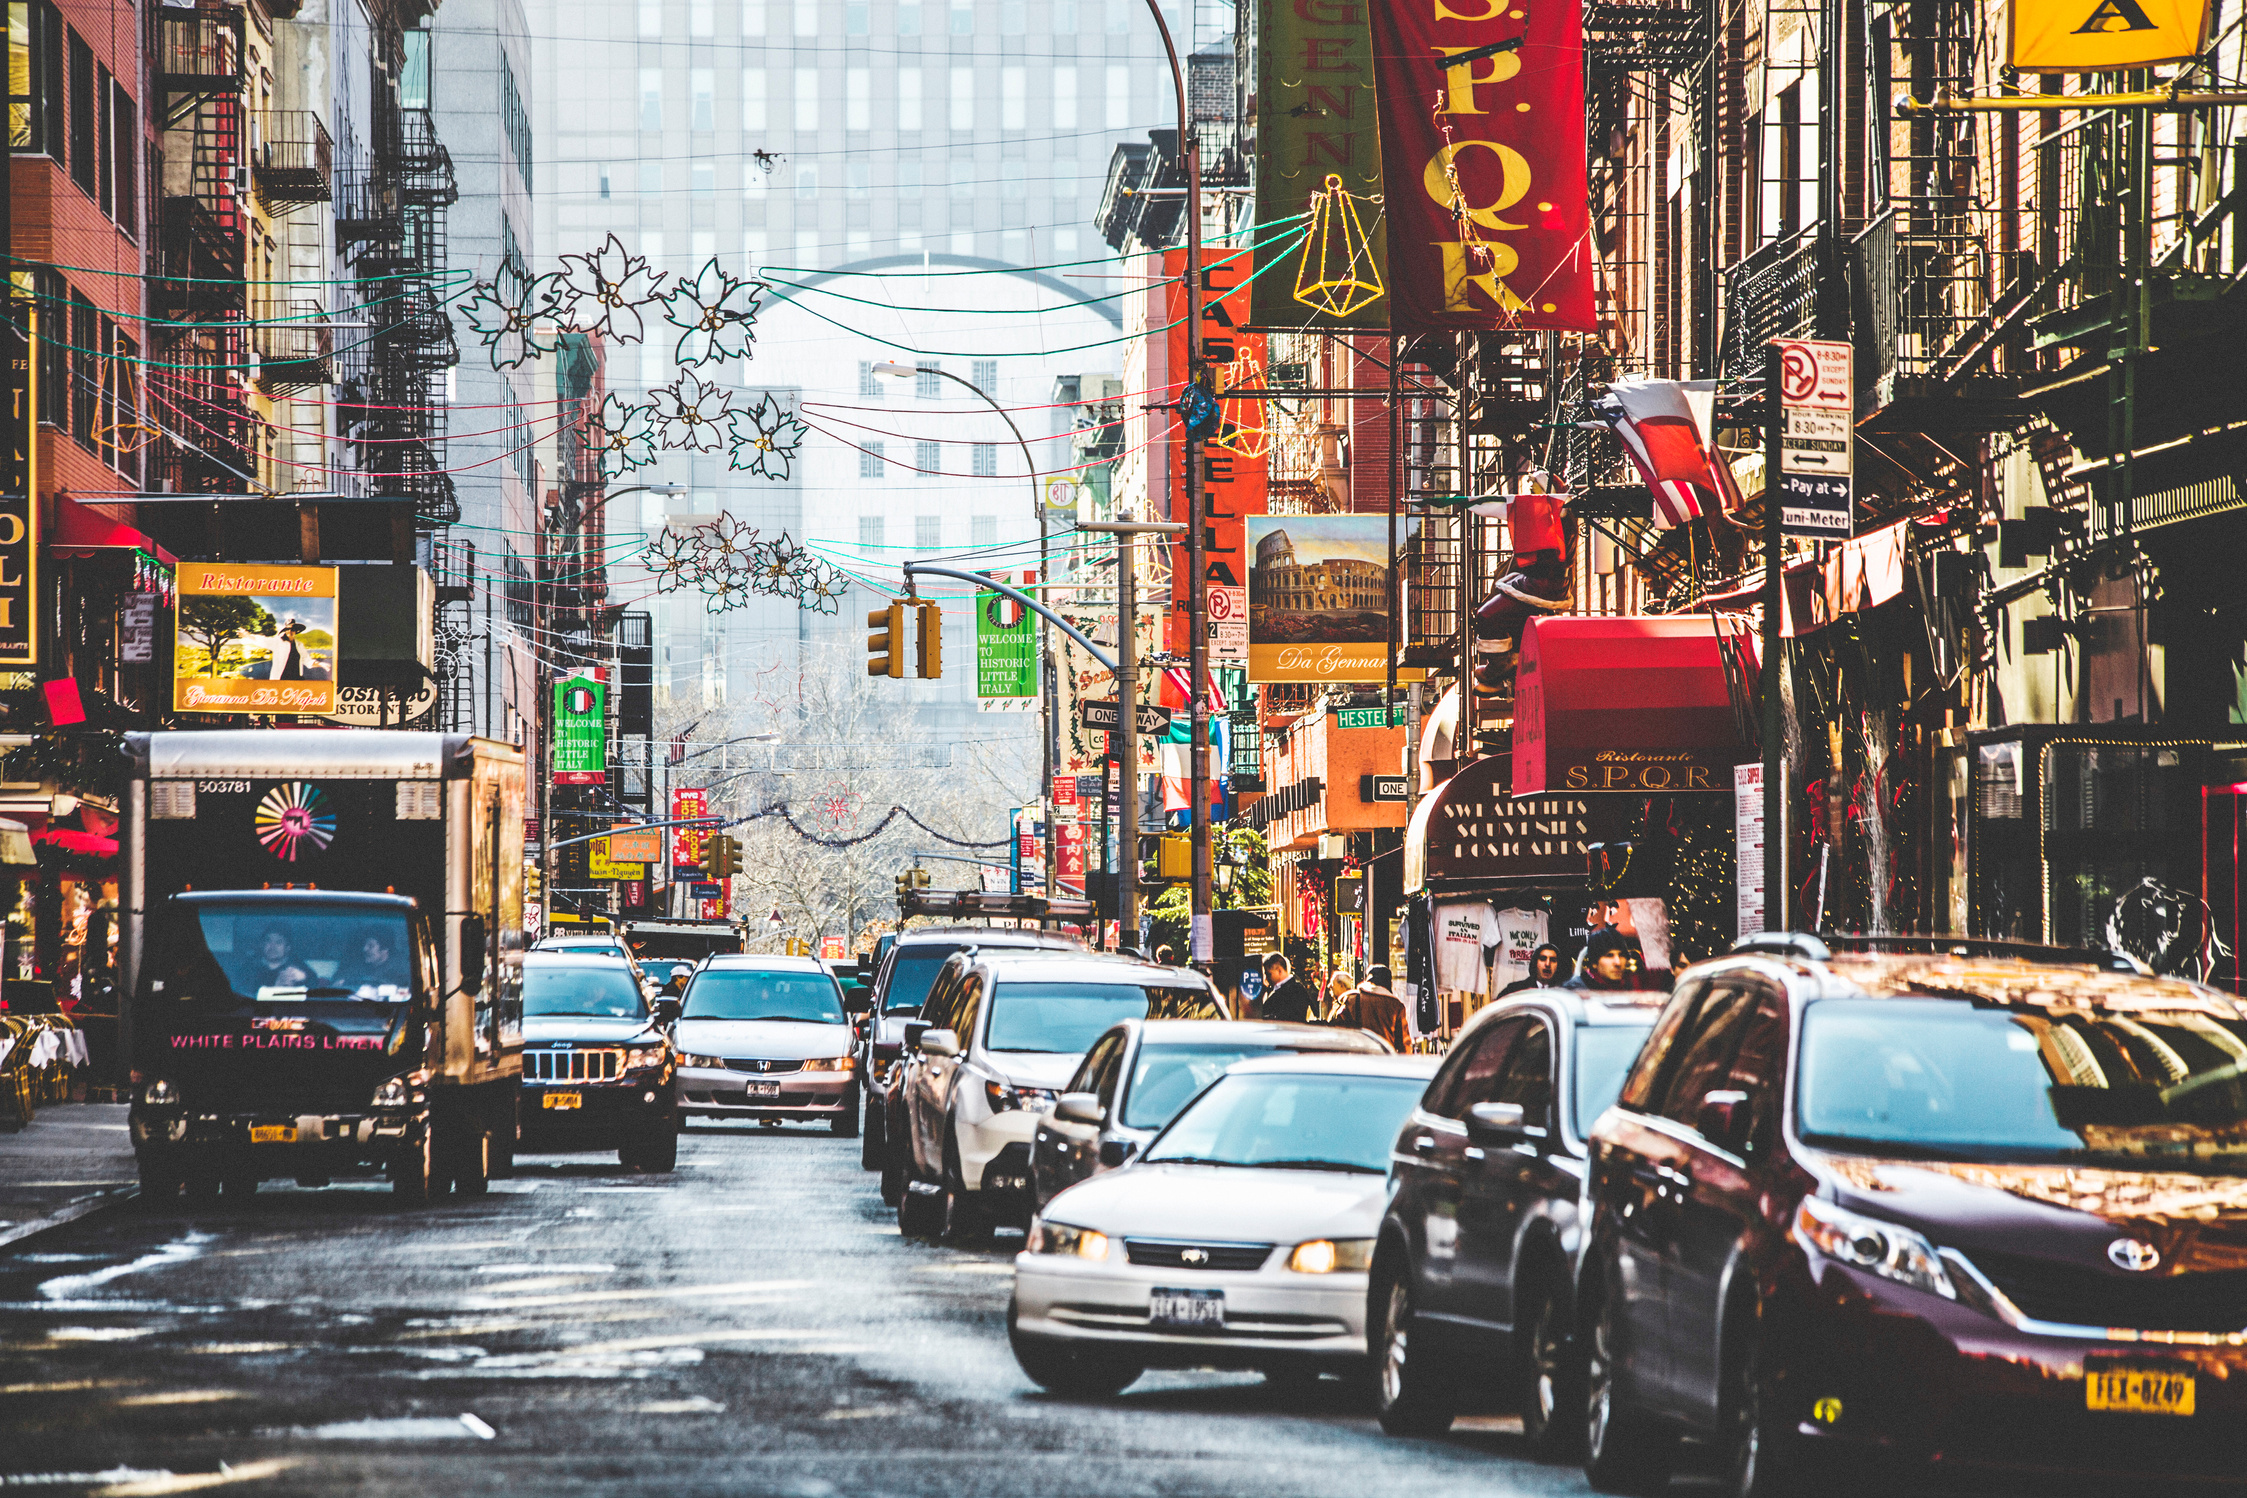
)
(1489, 219)
(686, 842)
(1068, 854)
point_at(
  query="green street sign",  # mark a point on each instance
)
(1006, 654)
(1367, 717)
(581, 732)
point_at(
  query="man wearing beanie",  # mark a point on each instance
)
(1607, 962)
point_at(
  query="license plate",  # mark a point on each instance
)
(272, 1133)
(2138, 1391)
(564, 1100)
(1185, 1310)
(760, 1089)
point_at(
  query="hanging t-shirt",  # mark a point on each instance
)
(1519, 933)
(1462, 933)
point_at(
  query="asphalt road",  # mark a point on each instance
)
(749, 1325)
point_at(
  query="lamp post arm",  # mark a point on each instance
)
(913, 569)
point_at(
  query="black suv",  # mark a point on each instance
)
(1474, 1266)
(599, 1071)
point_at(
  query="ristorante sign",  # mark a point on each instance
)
(1489, 224)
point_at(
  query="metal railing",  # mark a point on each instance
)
(199, 51)
(293, 161)
(1775, 293)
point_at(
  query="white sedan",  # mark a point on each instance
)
(1239, 1239)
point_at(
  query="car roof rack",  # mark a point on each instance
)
(1821, 949)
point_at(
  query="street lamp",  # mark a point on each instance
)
(892, 370)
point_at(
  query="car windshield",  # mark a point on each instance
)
(1068, 1017)
(1292, 1121)
(1166, 1076)
(730, 993)
(912, 975)
(601, 990)
(269, 953)
(2139, 1088)
(1604, 1054)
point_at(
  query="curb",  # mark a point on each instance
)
(85, 1206)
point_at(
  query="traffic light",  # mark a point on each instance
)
(904, 885)
(928, 660)
(920, 879)
(723, 858)
(885, 646)
(1174, 858)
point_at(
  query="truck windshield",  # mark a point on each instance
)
(270, 953)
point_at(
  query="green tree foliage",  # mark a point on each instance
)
(1251, 888)
(212, 622)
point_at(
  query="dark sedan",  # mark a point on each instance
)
(1476, 1257)
(598, 1069)
(1900, 1210)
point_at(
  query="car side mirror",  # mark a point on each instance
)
(1500, 1121)
(940, 1043)
(857, 1005)
(1114, 1152)
(914, 1030)
(1080, 1108)
(472, 937)
(1722, 1118)
(666, 1011)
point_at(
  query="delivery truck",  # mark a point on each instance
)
(322, 945)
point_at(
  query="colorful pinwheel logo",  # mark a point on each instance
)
(292, 815)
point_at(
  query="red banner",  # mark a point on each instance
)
(1489, 220)
(1233, 460)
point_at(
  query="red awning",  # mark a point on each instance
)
(1636, 706)
(89, 843)
(81, 530)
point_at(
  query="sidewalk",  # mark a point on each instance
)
(73, 1158)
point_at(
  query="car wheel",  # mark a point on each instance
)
(920, 1209)
(1073, 1370)
(1411, 1396)
(845, 1123)
(893, 1175)
(968, 1220)
(659, 1152)
(201, 1185)
(1625, 1451)
(873, 1148)
(1764, 1456)
(1551, 1380)
(412, 1169)
(159, 1184)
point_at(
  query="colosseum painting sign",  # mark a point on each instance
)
(1318, 598)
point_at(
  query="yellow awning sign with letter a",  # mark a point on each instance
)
(2091, 36)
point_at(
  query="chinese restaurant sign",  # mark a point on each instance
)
(254, 639)
(581, 729)
(2095, 36)
(1489, 216)
(1315, 120)
(686, 842)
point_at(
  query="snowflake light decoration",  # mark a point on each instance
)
(507, 311)
(766, 437)
(715, 312)
(623, 433)
(693, 414)
(670, 557)
(728, 563)
(605, 291)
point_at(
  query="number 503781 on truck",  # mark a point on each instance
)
(323, 942)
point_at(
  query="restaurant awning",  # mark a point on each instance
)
(1470, 836)
(81, 530)
(1631, 705)
(91, 844)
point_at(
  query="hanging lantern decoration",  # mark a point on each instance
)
(1337, 274)
(1242, 425)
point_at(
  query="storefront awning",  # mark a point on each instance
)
(81, 530)
(91, 844)
(1631, 705)
(1470, 836)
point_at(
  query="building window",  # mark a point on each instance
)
(700, 21)
(705, 178)
(807, 99)
(963, 99)
(124, 146)
(1119, 17)
(705, 107)
(870, 531)
(85, 163)
(35, 69)
(928, 532)
(985, 373)
(869, 383)
(651, 17)
(1064, 103)
(1064, 178)
(909, 178)
(807, 179)
(908, 98)
(986, 460)
(928, 458)
(870, 466)
(604, 178)
(752, 17)
(858, 178)
(908, 17)
(651, 98)
(983, 530)
(752, 99)
(855, 19)
(963, 17)
(515, 122)
(807, 17)
(1012, 19)
(927, 384)
(857, 92)
(1119, 97)
(1013, 97)
(1064, 13)
(963, 180)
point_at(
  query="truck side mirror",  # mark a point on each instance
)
(472, 936)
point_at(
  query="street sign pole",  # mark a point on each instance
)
(1774, 602)
(1126, 731)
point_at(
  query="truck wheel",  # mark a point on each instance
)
(472, 1160)
(411, 1171)
(159, 1183)
(239, 1186)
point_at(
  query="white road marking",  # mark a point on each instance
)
(476, 1426)
(539, 1282)
(694, 1406)
(544, 1269)
(96, 1333)
(589, 1297)
(242, 1349)
(178, 1251)
(189, 1482)
(70, 1386)
(185, 1396)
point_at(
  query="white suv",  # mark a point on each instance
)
(1001, 1032)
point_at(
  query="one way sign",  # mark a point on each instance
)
(1102, 717)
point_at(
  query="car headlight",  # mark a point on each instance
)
(1331, 1256)
(1005, 1099)
(830, 1063)
(638, 1056)
(160, 1094)
(1884, 1248)
(393, 1093)
(712, 1063)
(1061, 1238)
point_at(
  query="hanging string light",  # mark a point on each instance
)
(1337, 274)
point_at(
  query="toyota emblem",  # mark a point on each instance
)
(1193, 1256)
(2133, 1255)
